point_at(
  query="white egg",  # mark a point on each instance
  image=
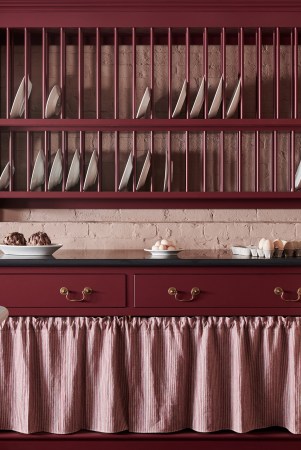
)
(278, 244)
(171, 247)
(268, 245)
(162, 247)
(155, 247)
(261, 242)
(158, 243)
(164, 242)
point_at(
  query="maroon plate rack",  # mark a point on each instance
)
(102, 59)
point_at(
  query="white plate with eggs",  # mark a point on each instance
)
(164, 253)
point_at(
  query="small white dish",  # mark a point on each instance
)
(56, 172)
(253, 249)
(38, 173)
(217, 100)
(163, 253)
(260, 253)
(144, 103)
(268, 253)
(54, 102)
(241, 250)
(298, 177)
(180, 101)
(18, 105)
(74, 171)
(92, 171)
(199, 100)
(126, 173)
(30, 250)
(234, 100)
(4, 178)
(144, 171)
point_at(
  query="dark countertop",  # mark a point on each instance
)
(122, 258)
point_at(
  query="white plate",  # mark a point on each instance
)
(92, 171)
(18, 106)
(217, 100)
(38, 173)
(4, 178)
(56, 172)
(53, 104)
(167, 172)
(144, 171)
(180, 101)
(74, 171)
(298, 177)
(144, 103)
(234, 100)
(30, 250)
(199, 100)
(164, 253)
(126, 173)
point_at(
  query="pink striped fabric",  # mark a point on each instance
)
(150, 375)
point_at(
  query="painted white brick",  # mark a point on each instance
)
(279, 215)
(234, 215)
(77, 229)
(216, 232)
(97, 215)
(238, 233)
(189, 215)
(122, 231)
(52, 215)
(99, 231)
(144, 231)
(146, 215)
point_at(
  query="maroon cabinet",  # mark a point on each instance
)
(146, 290)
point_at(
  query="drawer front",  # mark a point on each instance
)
(217, 290)
(43, 290)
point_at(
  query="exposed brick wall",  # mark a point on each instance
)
(135, 229)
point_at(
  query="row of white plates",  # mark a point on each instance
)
(144, 172)
(56, 172)
(198, 102)
(53, 104)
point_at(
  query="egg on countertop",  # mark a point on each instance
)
(164, 242)
(261, 242)
(268, 245)
(278, 244)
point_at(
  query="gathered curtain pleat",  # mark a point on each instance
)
(150, 375)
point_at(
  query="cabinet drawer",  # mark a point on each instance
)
(43, 290)
(217, 290)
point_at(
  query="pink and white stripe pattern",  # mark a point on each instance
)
(150, 375)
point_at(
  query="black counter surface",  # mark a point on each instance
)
(140, 258)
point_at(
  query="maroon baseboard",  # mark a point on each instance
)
(270, 438)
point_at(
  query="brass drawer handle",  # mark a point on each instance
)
(280, 291)
(194, 292)
(86, 291)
